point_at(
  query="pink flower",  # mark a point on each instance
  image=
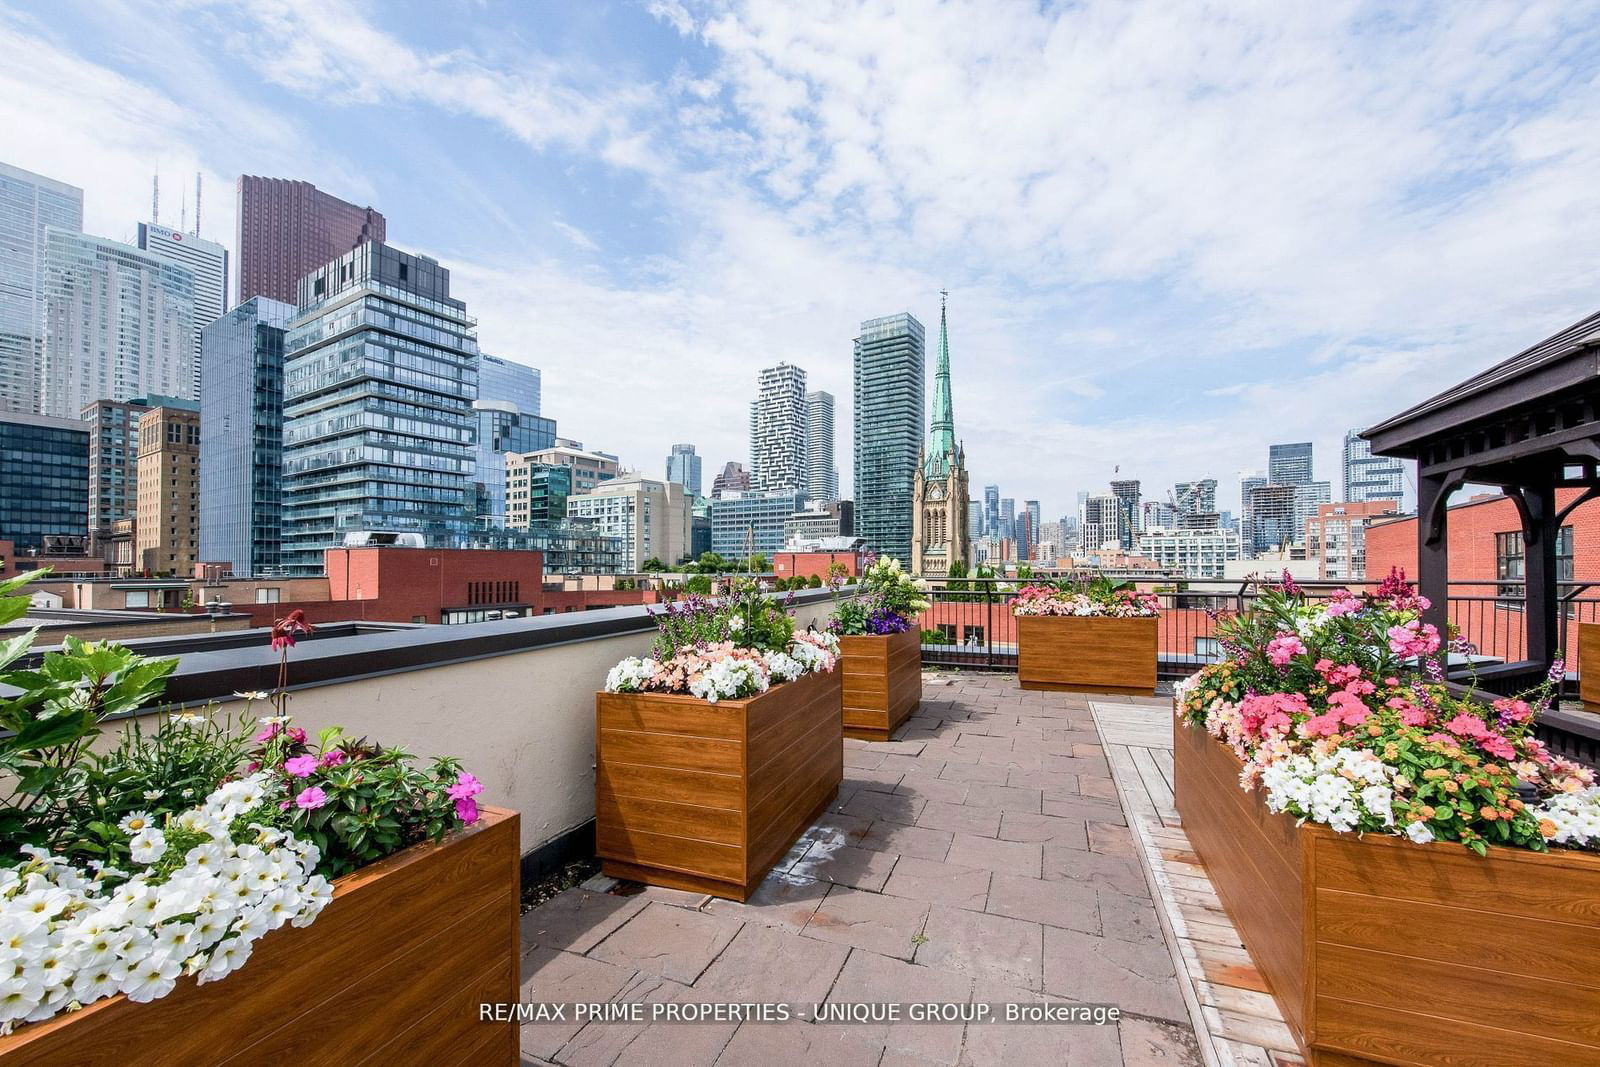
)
(1320, 726)
(310, 799)
(1347, 708)
(332, 758)
(267, 733)
(1283, 648)
(297, 735)
(1414, 639)
(1467, 725)
(300, 766)
(467, 810)
(1338, 673)
(465, 788)
(1497, 746)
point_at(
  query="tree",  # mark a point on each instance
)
(714, 563)
(652, 565)
(956, 577)
(757, 564)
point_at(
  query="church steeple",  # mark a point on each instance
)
(942, 427)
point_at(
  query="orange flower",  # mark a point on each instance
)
(1547, 828)
(1451, 787)
(1488, 813)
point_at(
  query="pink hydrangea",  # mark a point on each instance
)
(1283, 648)
(1337, 673)
(1324, 725)
(1347, 708)
(1468, 725)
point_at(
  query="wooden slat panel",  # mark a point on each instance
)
(882, 679)
(1567, 1011)
(378, 915)
(1092, 654)
(1391, 1035)
(698, 788)
(1589, 652)
(722, 825)
(669, 713)
(688, 855)
(682, 751)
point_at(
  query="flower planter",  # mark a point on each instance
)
(1589, 654)
(1087, 654)
(882, 682)
(392, 971)
(706, 797)
(1378, 950)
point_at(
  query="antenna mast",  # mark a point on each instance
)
(197, 203)
(155, 198)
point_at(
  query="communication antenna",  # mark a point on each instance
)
(155, 197)
(183, 213)
(197, 203)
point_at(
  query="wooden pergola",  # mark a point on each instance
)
(1530, 425)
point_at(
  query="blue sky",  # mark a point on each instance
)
(1171, 233)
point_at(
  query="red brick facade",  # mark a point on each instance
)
(805, 564)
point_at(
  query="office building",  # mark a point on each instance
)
(378, 421)
(207, 261)
(683, 467)
(1158, 515)
(733, 479)
(1196, 497)
(1102, 522)
(1307, 499)
(1024, 538)
(29, 203)
(288, 229)
(1128, 494)
(241, 438)
(975, 519)
(889, 369)
(1249, 481)
(991, 510)
(1336, 536)
(536, 493)
(822, 474)
(820, 520)
(778, 430)
(1271, 523)
(1008, 518)
(118, 323)
(589, 469)
(113, 471)
(506, 382)
(501, 431)
(1190, 552)
(1035, 517)
(1368, 477)
(44, 480)
(1289, 464)
(166, 529)
(751, 522)
(651, 516)
(699, 526)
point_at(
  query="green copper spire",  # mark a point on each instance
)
(942, 429)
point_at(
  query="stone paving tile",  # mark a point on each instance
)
(939, 883)
(1127, 918)
(898, 748)
(1055, 829)
(1021, 759)
(878, 781)
(688, 1044)
(801, 1043)
(919, 841)
(1111, 839)
(975, 772)
(1135, 976)
(842, 797)
(1155, 1043)
(931, 787)
(1052, 785)
(959, 818)
(782, 899)
(1061, 1045)
(1070, 764)
(1004, 797)
(1117, 873)
(674, 943)
(872, 921)
(846, 865)
(1064, 904)
(863, 758)
(1095, 786)
(1086, 807)
(600, 1043)
(577, 920)
(764, 963)
(838, 828)
(981, 743)
(870, 978)
(911, 764)
(562, 977)
(992, 854)
(873, 805)
(984, 946)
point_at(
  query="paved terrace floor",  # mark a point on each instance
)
(982, 856)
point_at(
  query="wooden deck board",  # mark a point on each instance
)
(1237, 1023)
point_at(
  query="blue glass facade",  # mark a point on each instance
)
(890, 368)
(505, 382)
(742, 523)
(241, 437)
(380, 375)
(500, 430)
(44, 479)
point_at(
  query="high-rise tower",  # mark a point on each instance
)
(889, 390)
(778, 430)
(28, 203)
(822, 477)
(939, 535)
(287, 229)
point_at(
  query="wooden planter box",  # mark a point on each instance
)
(392, 971)
(1381, 951)
(706, 797)
(1087, 654)
(882, 683)
(1589, 664)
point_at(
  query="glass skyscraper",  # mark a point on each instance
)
(118, 323)
(501, 428)
(889, 397)
(44, 479)
(241, 437)
(1368, 477)
(28, 203)
(683, 467)
(380, 373)
(822, 477)
(512, 383)
(1289, 464)
(207, 261)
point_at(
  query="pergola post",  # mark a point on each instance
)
(1433, 547)
(1541, 600)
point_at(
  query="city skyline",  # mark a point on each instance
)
(624, 167)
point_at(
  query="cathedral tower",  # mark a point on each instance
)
(939, 536)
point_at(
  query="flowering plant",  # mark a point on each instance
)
(1099, 596)
(889, 602)
(724, 649)
(192, 897)
(1339, 712)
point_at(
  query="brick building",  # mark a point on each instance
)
(167, 527)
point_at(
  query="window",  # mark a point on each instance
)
(1207, 648)
(947, 633)
(1510, 561)
(268, 596)
(138, 598)
(974, 636)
